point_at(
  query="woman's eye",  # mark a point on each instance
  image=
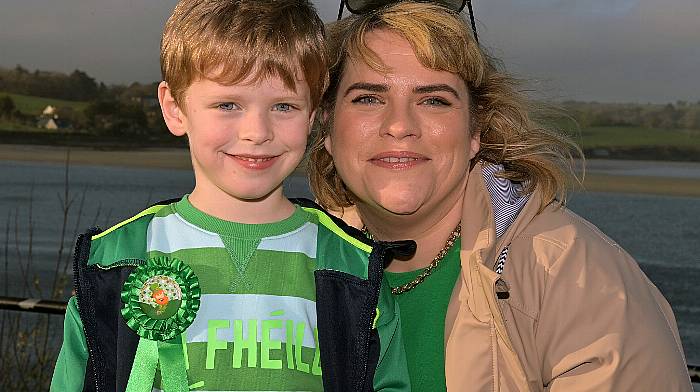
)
(227, 106)
(434, 101)
(367, 100)
(283, 107)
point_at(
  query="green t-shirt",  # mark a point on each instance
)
(423, 312)
(256, 326)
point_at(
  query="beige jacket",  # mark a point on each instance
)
(580, 316)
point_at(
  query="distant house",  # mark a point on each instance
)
(48, 123)
(49, 111)
(49, 119)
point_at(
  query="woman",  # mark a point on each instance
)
(422, 137)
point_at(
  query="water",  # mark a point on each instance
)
(660, 232)
(99, 196)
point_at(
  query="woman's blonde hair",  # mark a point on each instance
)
(229, 40)
(441, 40)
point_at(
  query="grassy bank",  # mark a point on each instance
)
(43, 137)
(31, 105)
(146, 157)
(640, 143)
(596, 137)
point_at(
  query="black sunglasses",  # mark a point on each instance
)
(366, 6)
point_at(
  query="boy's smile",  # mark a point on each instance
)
(245, 139)
(255, 161)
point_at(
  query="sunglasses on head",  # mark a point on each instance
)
(366, 6)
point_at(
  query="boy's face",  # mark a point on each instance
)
(245, 139)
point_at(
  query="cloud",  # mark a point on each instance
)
(597, 8)
(646, 53)
(633, 50)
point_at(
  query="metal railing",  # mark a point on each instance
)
(59, 307)
(33, 305)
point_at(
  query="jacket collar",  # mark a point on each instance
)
(488, 200)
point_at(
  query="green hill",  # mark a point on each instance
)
(640, 143)
(35, 105)
(596, 137)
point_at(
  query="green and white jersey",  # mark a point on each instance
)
(256, 326)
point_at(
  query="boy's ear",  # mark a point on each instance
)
(172, 114)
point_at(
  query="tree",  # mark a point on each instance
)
(83, 86)
(71, 117)
(7, 106)
(20, 70)
(691, 117)
(77, 86)
(116, 117)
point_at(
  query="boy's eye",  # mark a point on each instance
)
(282, 107)
(436, 101)
(227, 106)
(366, 100)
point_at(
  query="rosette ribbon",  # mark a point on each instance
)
(161, 299)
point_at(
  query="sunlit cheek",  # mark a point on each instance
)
(220, 141)
(367, 128)
(298, 140)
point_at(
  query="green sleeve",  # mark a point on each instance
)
(391, 374)
(69, 373)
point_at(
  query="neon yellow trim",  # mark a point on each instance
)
(376, 318)
(150, 210)
(326, 221)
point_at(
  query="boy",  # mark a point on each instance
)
(234, 287)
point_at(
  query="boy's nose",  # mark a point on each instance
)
(256, 128)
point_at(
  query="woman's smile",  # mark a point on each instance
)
(398, 160)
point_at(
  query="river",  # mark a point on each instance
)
(661, 232)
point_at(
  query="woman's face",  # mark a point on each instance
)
(401, 140)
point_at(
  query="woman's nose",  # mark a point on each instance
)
(400, 122)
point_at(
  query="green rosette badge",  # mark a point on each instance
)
(161, 298)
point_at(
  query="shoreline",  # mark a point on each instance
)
(595, 180)
(154, 158)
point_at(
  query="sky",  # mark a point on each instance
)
(605, 50)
